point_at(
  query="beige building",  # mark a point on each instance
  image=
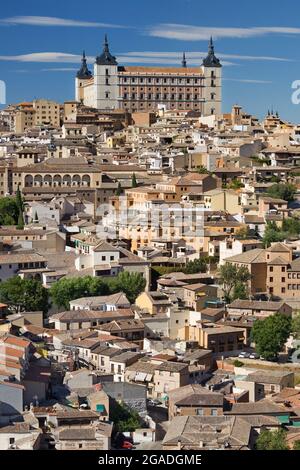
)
(168, 376)
(39, 112)
(217, 338)
(195, 400)
(223, 200)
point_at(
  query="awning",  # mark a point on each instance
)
(283, 419)
(140, 377)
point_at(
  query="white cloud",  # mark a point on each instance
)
(129, 59)
(199, 56)
(197, 33)
(60, 69)
(53, 21)
(45, 57)
(248, 80)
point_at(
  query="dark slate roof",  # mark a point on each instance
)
(211, 60)
(84, 72)
(106, 58)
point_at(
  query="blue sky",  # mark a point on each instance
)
(258, 43)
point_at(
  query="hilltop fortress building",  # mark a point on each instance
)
(142, 88)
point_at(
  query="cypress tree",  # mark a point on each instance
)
(19, 199)
(20, 224)
(119, 190)
(133, 181)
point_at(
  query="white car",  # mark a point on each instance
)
(254, 356)
(244, 354)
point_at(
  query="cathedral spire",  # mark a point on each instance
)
(183, 62)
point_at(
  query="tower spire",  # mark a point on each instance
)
(105, 44)
(183, 62)
(83, 72)
(106, 58)
(211, 60)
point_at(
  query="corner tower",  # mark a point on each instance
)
(106, 79)
(212, 71)
(82, 76)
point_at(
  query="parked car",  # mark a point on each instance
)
(254, 356)
(154, 402)
(244, 354)
(127, 445)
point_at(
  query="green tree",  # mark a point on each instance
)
(20, 224)
(24, 294)
(124, 418)
(133, 181)
(132, 284)
(270, 335)
(9, 211)
(291, 225)
(282, 191)
(67, 289)
(119, 189)
(272, 234)
(296, 325)
(296, 445)
(196, 266)
(243, 233)
(202, 170)
(240, 291)
(19, 199)
(235, 184)
(272, 440)
(230, 276)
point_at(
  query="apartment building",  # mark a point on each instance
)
(37, 113)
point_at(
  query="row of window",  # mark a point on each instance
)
(164, 96)
(160, 80)
(173, 105)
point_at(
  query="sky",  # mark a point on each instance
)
(257, 42)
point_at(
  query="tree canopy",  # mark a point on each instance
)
(67, 289)
(270, 335)
(132, 284)
(296, 325)
(124, 418)
(24, 294)
(9, 211)
(296, 445)
(232, 278)
(272, 234)
(196, 266)
(282, 191)
(272, 440)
